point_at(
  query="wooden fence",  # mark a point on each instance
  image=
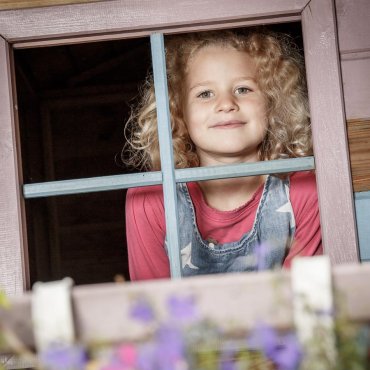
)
(234, 303)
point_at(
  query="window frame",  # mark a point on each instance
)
(128, 18)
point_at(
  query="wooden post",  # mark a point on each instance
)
(13, 255)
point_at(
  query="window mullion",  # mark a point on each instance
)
(166, 152)
(125, 181)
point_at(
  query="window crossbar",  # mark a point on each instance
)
(126, 181)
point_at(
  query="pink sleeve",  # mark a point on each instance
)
(145, 231)
(303, 196)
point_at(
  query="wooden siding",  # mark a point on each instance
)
(359, 149)
(353, 25)
(21, 4)
(354, 43)
(356, 83)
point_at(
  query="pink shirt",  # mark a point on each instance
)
(146, 229)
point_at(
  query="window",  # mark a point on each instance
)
(127, 20)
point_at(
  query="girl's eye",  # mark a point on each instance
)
(242, 90)
(205, 94)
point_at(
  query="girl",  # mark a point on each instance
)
(233, 98)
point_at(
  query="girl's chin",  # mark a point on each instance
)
(227, 157)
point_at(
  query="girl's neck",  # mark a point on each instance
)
(229, 194)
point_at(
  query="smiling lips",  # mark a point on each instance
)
(228, 124)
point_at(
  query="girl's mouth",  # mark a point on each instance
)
(228, 124)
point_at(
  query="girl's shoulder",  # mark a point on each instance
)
(303, 192)
(145, 208)
(151, 189)
(145, 196)
(304, 181)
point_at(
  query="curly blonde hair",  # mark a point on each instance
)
(280, 77)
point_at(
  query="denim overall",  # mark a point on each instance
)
(263, 247)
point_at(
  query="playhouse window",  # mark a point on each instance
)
(340, 245)
(72, 112)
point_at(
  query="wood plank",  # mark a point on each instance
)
(20, 4)
(356, 84)
(353, 25)
(13, 270)
(354, 43)
(133, 33)
(131, 16)
(359, 149)
(102, 311)
(333, 172)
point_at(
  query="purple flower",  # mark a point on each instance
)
(170, 341)
(142, 311)
(227, 359)
(164, 353)
(113, 365)
(261, 254)
(170, 347)
(287, 354)
(147, 357)
(64, 357)
(263, 338)
(182, 308)
(283, 350)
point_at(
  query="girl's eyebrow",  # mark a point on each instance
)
(199, 84)
(205, 83)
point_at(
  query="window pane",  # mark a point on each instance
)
(81, 236)
(73, 102)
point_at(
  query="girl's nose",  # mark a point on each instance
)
(227, 103)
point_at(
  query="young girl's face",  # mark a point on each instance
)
(225, 112)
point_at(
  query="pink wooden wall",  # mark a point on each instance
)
(353, 17)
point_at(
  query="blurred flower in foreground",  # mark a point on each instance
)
(166, 352)
(142, 311)
(4, 302)
(147, 357)
(127, 353)
(123, 358)
(262, 251)
(283, 350)
(170, 348)
(182, 308)
(64, 358)
(227, 361)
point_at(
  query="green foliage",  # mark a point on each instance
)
(4, 302)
